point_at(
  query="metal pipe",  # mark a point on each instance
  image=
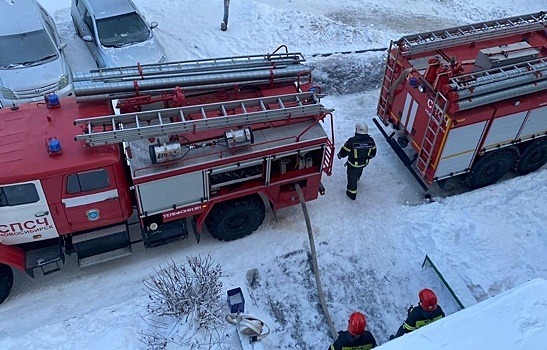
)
(82, 88)
(498, 85)
(498, 96)
(182, 66)
(187, 89)
(491, 78)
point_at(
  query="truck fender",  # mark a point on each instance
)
(199, 219)
(13, 256)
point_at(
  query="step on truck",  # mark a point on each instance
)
(469, 101)
(189, 146)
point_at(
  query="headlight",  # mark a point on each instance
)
(7, 93)
(63, 82)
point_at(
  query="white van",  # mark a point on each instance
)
(32, 62)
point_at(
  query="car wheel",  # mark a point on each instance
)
(236, 218)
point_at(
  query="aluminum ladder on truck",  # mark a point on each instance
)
(192, 75)
(436, 40)
(386, 91)
(133, 126)
(435, 126)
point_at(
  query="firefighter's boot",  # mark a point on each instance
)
(351, 195)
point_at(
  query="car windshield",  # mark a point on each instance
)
(26, 49)
(122, 30)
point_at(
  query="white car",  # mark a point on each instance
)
(32, 62)
(116, 33)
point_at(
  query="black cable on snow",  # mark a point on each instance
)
(348, 52)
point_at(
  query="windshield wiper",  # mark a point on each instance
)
(47, 57)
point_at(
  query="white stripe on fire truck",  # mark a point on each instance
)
(90, 198)
(408, 101)
(413, 112)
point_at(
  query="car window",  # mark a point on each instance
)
(122, 30)
(50, 26)
(88, 21)
(81, 7)
(18, 195)
(88, 181)
(26, 49)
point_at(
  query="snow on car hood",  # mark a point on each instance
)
(148, 51)
(32, 77)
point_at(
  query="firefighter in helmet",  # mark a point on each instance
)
(359, 149)
(356, 337)
(426, 312)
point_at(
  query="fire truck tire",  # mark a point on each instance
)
(6, 281)
(236, 218)
(533, 158)
(490, 169)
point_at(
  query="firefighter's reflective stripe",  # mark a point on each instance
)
(360, 347)
(357, 165)
(408, 327)
(425, 322)
(360, 147)
(352, 191)
(421, 323)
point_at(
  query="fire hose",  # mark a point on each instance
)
(249, 326)
(320, 293)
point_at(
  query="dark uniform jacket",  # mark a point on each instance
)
(346, 341)
(418, 317)
(359, 149)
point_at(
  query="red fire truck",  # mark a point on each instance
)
(471, 101)
(195, 143)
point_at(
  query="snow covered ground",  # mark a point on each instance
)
(370, 251)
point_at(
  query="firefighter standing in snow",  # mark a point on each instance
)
(356, 337)
(359, 149)
(426, 312)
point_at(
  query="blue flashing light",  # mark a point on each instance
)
(52, 100)
(413, 81)
(54, 145)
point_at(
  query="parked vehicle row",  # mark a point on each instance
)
(32, 60)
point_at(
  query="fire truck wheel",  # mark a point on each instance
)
(6, 281)
(534, 157)
(490, 168)
(236, 219)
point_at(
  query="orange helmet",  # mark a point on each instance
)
(357, 323)
(428, 300)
